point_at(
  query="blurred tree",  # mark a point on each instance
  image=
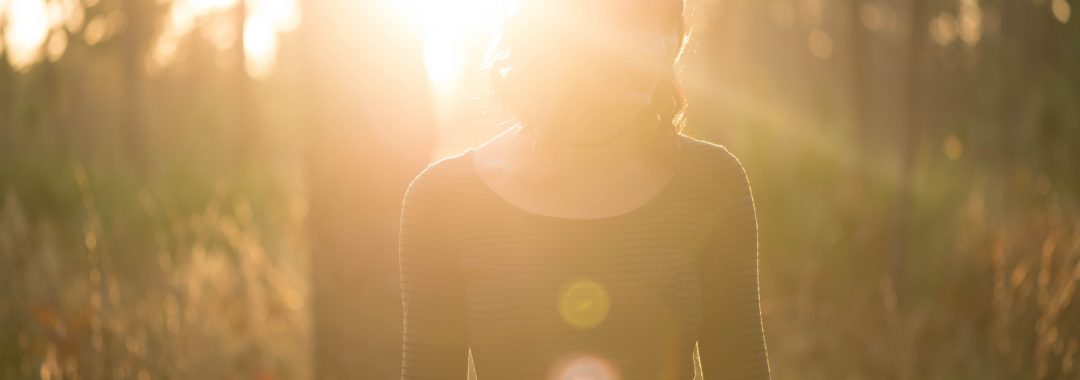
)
(373, 130)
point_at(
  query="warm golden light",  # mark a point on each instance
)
(969, 23)
(444, 59)
(263, 21)
(877, 17)
(96, 30)
(284, 15)
(27, 28)
(953, 148)
(583, 303)
(1061, 10)
(73, 21)
(584, 367)
(260, 46)
(449, 28)
(56, 46)
(821, 45)
(943, 29)
(782, 13)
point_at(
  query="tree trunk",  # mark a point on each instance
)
(373, 130)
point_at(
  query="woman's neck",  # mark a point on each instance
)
(552, 152)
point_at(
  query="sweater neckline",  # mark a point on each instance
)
(666, 190)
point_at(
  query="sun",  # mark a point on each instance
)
(451, 31)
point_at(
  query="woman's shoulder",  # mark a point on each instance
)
(439, 175)
(712, 160)
(718, 179)
(707, 161)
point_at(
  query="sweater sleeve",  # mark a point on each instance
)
(732, 341)
(434, 342)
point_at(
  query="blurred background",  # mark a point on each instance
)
(209, 189)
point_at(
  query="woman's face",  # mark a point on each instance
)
(623, 47)
(606, 59)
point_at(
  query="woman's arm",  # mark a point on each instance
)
(732, 341)
(435, 341)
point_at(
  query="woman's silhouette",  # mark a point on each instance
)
(591, 239)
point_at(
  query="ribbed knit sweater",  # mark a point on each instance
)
(539, 297)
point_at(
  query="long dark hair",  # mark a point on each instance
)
(524, 34)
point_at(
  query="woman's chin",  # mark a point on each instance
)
(628, 102)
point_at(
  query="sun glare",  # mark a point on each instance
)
(27, 29)
(450, 29)
(264, 21)
(260, 46)
(586, 366)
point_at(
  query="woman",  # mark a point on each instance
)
(591, 239)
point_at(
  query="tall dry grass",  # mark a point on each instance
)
(210, 297)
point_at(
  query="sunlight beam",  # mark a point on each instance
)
(448, 30)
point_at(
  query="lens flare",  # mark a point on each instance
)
(583, 303)
(584, 367)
